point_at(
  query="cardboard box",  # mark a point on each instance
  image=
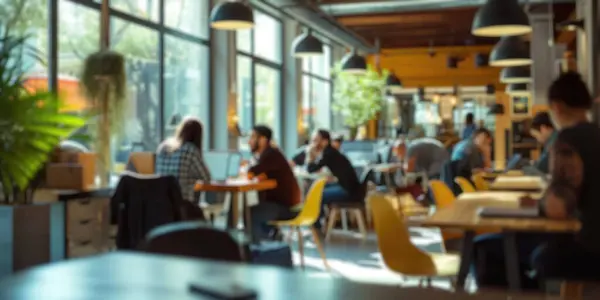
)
(78, 169)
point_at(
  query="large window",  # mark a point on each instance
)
(259, 75)
(167, 60)
(316, 91)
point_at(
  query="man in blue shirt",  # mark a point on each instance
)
(469, 127)
(474, 154)
(543, 131)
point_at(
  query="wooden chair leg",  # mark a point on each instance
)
(368, 215)
(331, 222)
(361, 223)
(571, 290)
(300, 245)
(319, 247)
(344, 214)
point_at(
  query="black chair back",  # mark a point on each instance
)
(193, 239)
(141, 203)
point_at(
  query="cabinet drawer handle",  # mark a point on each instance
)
(85, 201)
(85, 243)
(84, 222)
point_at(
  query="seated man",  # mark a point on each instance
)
(572, 192)
(272, 164)
(543, 131)
(473, 154)
(324, 155)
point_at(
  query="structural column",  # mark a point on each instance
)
(545, 55)
(588, 48)
(222, 48)
(292, 79)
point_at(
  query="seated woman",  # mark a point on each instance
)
(181, 156)
(572, 192)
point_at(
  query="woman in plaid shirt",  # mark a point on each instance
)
(181, 156)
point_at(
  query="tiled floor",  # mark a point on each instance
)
(351, 257)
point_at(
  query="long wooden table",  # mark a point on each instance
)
(130, 275)
(464, 215)
(518, 183)
(234, 187)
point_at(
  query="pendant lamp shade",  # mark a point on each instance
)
(393, 84)
(232, 15)
(307, 45)
(498, 18)
(518, 89)
(510, 51)
(516, 75)
(354, 63)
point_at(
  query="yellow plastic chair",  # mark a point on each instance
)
(444, 198)
(398, 252)
(307, 217)
(465, 184)
(480, 183)
(442, 194)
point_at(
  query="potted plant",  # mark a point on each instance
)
(358, 98)
(31, 127)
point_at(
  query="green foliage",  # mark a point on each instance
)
(31, 125)
(358, 98)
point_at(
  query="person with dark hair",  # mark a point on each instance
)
(181, 156)
(573, 192)
(271, 164)
(322, 154)
(337, 142)
(543, 131)
(469, 126)
(474, 154)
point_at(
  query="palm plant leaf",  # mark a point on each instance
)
(31, 124)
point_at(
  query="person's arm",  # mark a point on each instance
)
(566, 167)
(298, 159)
(313, 165)
(542, 163)
(265, 164)
(199, 168)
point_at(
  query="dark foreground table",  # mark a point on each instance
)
(128, 275)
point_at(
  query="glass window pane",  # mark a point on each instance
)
(30, 17)
(244, 93)
(189, 16)
(185, 83)
(243, 40)
(79, 36)
(321, 108)
(144, 9)
(306, 105)
(140, 47)
(266, 90)
(267, 37)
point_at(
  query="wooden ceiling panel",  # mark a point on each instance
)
(449, 27)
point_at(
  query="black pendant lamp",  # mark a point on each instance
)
(232, 15)
(516, 75)
(354, 63)
(518, 89)
(307, 45)
(498, 18)
(393, 83)
(510, 51)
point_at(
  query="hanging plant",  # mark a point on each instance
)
(104, 84)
